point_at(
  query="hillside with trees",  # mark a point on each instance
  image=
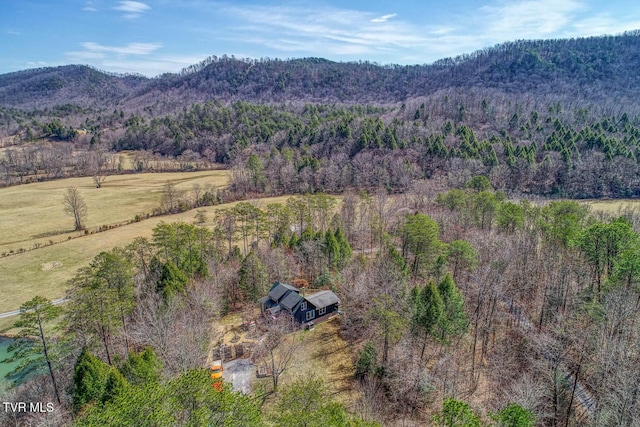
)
(432, 199)
(460, 307)
(596, 68)
(556, 117)
(523, 144)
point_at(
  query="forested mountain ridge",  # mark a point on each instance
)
(588, 67)
(69, 84)
(591, 68)
(556, 117)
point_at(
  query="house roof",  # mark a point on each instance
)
(274, 310)
(323, 299)
(279, 289)
(266, 303)
(290, 301)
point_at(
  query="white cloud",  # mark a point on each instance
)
(344, 34)
(13, 32)
(132, 6)
(530, 19)
(95, 53)
(130, 49)
(141, 58)
(542, 19)
(150, 67)
(133, 9)
(84, 56)
(603, 24)
(347, 34)
(90, 6)
(40, 64)
(384, 18)
(442, 30)
(322, 31)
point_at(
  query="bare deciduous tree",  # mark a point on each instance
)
(170, 198)
(277, 347)
(75, 206)
(196, 190)
(179, 331)
(99, 164)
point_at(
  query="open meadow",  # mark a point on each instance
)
(45, 271)
(33, 214)
(615, 206)
(328, 356)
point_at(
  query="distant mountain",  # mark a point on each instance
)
(592, 69)
(550, 117)
(70, 84)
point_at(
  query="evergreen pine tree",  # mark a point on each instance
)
(454, 320)
(90, 376)
(252, 276)
(345, 248)
(308, 234)
(115, 386)
(332, 249)
(428, 310)
(366, 360)
(172, 280)
(294, 241)
(141, 368)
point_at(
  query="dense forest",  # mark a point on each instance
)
(521, 143)
(466, 300)
(554, 118)
(461, 308)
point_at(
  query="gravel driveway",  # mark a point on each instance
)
(239, 373)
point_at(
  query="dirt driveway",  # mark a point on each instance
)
(240, 373)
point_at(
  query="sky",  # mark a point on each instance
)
(151, 37)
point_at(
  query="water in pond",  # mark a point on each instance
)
(5, 368)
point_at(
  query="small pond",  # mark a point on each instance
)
(5, 368)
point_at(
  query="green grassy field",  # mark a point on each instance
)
(46, 270)
(615, 207)
(33, 214)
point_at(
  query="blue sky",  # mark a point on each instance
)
(151, 37)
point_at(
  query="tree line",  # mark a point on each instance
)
(523, 145)
(549, 146)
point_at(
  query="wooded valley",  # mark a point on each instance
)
(440, 203)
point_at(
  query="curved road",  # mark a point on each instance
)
(16, 312)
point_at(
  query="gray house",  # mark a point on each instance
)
(303, 308)
(278, 293)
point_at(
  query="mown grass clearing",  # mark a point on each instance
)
(325, 354)
(33, 214)
(46, 270)
(614, 207)
(6, 326)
